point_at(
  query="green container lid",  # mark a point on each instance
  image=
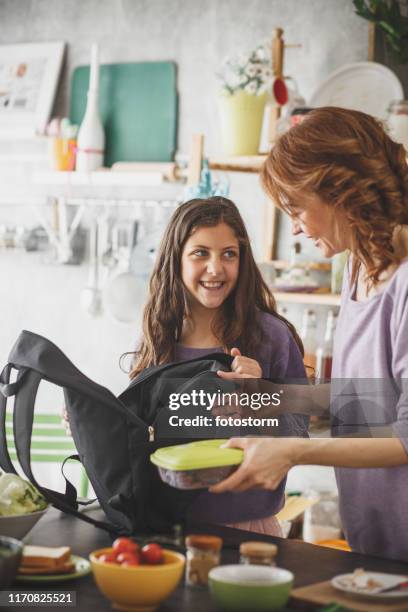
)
(197, 456)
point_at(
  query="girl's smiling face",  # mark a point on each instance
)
(210, 265)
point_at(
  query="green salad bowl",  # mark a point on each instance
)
(250, 588)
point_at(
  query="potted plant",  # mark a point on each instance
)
(245, 81)
(389, 20)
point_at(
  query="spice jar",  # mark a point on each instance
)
(203, 553)
(258, 553)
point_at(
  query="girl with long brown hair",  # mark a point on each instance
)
(207, 295)
(344, 183)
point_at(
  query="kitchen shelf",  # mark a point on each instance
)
(281, 264)
(238, 164)
(322, 299)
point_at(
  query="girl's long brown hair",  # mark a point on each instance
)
(346, 158)
(167, 305)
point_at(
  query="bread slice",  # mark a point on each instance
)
(45, 556)
(66, 568)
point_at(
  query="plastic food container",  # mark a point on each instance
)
(196, 465)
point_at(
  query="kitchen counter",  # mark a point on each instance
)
(308, 562)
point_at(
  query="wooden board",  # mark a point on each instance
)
(138, 104)
(323, 593)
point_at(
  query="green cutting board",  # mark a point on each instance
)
(138, 105)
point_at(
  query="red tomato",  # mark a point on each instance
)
(152, 554)
(122, 545)
(129, 558)
(108, 558)
(131, 563)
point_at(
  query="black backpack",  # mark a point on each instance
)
(113, 436)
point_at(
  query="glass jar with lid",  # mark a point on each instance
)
(258, 553)
(397, 121)
(203, 553)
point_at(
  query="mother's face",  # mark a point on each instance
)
(326, 226)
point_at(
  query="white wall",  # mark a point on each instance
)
(196, 34)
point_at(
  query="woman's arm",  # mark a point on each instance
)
(268, 460)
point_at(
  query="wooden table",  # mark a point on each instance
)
(309, 563)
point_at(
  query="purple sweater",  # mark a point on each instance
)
(371, 341)
(279, 357)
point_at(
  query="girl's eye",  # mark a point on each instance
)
(230, 254)
(200, 253)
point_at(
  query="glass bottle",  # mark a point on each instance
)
(308, 336)
(203, 553)
(91, 135)
(324, 352)
(258, 553)
(322, 520)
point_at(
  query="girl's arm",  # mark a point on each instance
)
(268, 460)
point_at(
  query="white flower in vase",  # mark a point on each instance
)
(252, 87)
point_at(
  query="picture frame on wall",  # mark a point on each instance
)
(29, 74)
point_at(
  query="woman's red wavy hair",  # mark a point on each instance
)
(345, 158)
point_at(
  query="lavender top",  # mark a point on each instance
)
(279, 357)
(371, 341)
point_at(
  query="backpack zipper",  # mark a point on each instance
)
(151, 433)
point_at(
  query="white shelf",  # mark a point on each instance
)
(105, 178)
(323, 299)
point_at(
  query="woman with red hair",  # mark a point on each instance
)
(344, 183)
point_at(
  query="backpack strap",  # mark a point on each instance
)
(69, 484)
(5, 459)
(22, 425)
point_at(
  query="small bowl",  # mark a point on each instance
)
(10, 555)
(139, 588)
(18, 525)
(250, 588)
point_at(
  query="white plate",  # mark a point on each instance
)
(386, 580)
(364, 86)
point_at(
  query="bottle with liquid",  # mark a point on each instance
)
(309, 339)
(91, 135)
(324, 352)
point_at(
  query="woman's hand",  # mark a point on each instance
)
(266, 462)
(242, 367)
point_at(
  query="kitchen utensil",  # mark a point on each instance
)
(91, 296)
(138, 106)
(364, 86)
(250, 588)
(321, 593)
(387, 586)
(82, 568)
(197, 464)
(17, 526)
(138, 587)
(123, 293)
(10, 554)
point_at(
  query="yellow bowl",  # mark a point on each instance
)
(140, 588)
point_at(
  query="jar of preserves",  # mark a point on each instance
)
(397, 121)
(258, 553)
(203, 553)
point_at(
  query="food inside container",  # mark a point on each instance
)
(196, 465)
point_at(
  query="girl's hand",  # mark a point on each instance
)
(266, 462)
(242, 367)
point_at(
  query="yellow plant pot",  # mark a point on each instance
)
(241, 117)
